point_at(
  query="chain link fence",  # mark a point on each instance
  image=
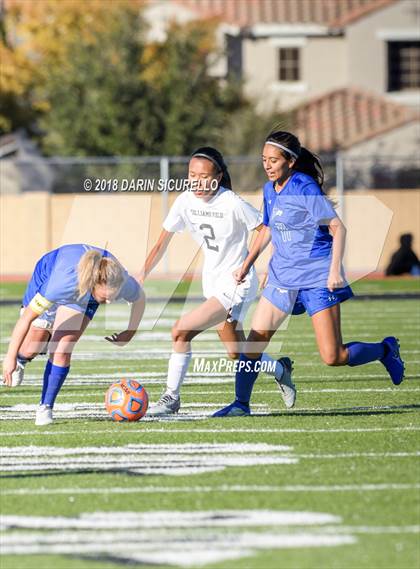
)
(69, 175)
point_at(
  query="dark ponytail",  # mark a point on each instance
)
(306, 162)
(217, 160)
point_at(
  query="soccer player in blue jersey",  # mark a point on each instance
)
(305, 271)
(64, 292)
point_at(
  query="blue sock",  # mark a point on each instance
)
(54, 382)
(47, 372)
(245, 378)
(361, 352)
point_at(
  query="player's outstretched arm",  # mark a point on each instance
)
(338, 231)
(18, 335)
(156, 254)
(136, 314)
(260, 243)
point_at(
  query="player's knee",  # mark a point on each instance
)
(179, 335)
(234, 355)
(28, 354)
(332, 358)
(257, 341)
(61, 359)
(61, 349)
(260, 336)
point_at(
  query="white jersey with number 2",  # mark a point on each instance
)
(221, 227)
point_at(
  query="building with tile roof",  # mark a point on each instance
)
(343, 118)
(347, 72)
(288, 51)
(248, 13)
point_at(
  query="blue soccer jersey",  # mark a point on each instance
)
(55, 281)
(298, 216)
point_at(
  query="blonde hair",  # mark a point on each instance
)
(95, 269)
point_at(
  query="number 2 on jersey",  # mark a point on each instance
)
(210, 237)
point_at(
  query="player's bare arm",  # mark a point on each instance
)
(261, 242)
(338, 231)
(156, 254)
(136, 314)
(21, 329)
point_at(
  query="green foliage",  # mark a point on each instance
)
(94, 98)
(191, 105)
(92, 86)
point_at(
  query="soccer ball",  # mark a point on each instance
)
(126, 400)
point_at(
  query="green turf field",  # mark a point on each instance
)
(332, 484)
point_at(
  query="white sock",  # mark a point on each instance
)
(177, 370)
(274, 365)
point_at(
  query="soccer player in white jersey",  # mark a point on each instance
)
(305, 271)
(220, 221)
(61, 298)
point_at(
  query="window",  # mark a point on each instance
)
(403, 65)
(289, 64)
(234, 56)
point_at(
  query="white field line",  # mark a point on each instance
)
(154, 313)
(211, 336)
(326, 391)
(65, 408)
(187, 448)
(152, 354)
(122, 322)
(379, 530)
(158, 354)
(192, 377)
(169, 519)
(274, 352)
(95, 411)
(157, 384)
(180, 418)
(210, 489)
(167, 464)
(169, 459)
(188, 431)
(155, 310)
(190, 382)
(89, 413)
(359, 455)
(145, 459)
(192, 548)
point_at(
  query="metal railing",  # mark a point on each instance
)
(68, 175)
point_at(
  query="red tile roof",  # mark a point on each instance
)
(345, 117)
(331, 13)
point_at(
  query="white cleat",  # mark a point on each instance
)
(285, 384)
(18, 374)
(167, 405)
(44, 416)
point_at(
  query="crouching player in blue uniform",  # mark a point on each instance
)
(305, 270)
(64, 292)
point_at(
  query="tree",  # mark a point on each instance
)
(73, 66)
(191, 106)
(95, 96)
(79, 75)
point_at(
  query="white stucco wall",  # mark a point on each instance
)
(367, 42)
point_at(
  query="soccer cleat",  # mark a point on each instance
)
(18, 374)
(235, 409)
(286, 387)
(167, 405)
(392, 361)
(44, 416)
